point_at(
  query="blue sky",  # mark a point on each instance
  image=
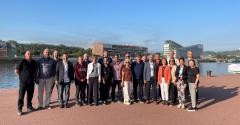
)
(214, 23)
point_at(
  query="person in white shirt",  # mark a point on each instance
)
(93, 80)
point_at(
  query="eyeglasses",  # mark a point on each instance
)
(127, 62)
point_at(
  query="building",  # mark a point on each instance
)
(181, 51)
(170, 45)
(113, 49)
(7, 49)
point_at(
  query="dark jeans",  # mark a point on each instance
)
(93, 90)
(23, 88)
(138, 89)
(104, 88)
(148, 89)
(173, 93)
(64, 87)
(114, 85)
(80, 89)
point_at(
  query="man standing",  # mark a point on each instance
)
(45, 77)
(105, 55)
(63, 78)
(137, 68)
(56, 60)
(26, 70)
(149, 76)
(93, 79)
(172, 55)
(117, 75)
(107, 78)
(158, 61)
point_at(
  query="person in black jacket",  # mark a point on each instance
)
(64, 77)
(181, 81)
(26, 70)
(107, 79)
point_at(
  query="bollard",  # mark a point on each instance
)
(209, 73)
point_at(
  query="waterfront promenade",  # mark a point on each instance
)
(219, 105)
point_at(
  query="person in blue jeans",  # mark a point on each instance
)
(149, 76)
(63, 78)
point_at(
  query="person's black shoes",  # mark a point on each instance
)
(31, 109)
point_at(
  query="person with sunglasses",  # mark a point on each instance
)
(127, 81)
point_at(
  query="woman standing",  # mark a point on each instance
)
(127, 80)
(80, 71)
(173, 87)
(193, 81)
(164, 78)
(181, 79)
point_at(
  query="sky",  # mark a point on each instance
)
(213, 23)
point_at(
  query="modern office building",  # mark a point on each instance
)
(98, 48)
(182, 51)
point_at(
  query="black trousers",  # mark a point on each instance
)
(93, 90)
(117, 83)
(104, 90)
(53, 85)
(64, 87)
(173, 93)
(138, 89)
(151, 84)
(23, 88)
(80, 90)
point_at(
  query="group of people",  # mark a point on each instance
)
(146, 79)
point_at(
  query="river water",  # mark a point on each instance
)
(8, 78)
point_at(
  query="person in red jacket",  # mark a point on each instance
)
(164, 78)
(80, 71)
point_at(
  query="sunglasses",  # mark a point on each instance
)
(127, 62)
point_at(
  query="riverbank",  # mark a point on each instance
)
(219, 97)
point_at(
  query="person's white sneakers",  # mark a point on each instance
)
(179, 106)
(19, 113)
(127, 103)
(183, 106)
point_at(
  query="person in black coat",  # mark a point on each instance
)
(107, 79)
(64, 77)
(181, 81)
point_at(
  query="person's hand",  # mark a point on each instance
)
(103, 81)
(145, 82)
(87, 81)
(82, 80)
(56, 82)
(159, 82)
(195, 86)
(175, 83)
(122, 84)
(99, 81)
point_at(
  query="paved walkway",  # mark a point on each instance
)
(220, 102)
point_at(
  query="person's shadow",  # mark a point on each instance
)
(212, 95)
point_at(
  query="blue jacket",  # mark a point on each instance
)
(147, 71)
(138, 70)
